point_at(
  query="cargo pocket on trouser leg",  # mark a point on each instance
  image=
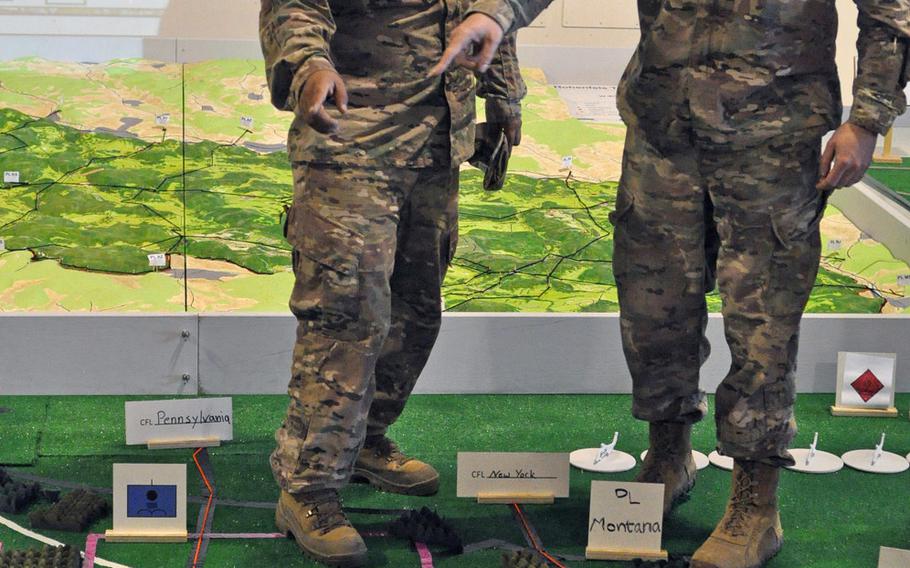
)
(795, 260)
(327, 257)
(619, 219)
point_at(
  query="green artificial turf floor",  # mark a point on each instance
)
(835, 521)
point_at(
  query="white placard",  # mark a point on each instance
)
(149, 501)
(513, 474)
(567, 162)
(11, 177)
(162, 119)
(2, 244)
(625, 516)
(596, 103)
(246, 122)
(857, 377)
(835, 244)
(158, 260)
(893, 558)
(903, 279)
(173, 421)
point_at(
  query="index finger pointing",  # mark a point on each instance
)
(448, 56)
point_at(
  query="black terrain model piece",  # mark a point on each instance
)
(76, 512)
(15, 496)
(427, 527)
(47, 557)
(525, 558)
(674, 561)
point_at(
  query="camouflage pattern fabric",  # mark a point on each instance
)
(743, 71)
(371, 249)
(374, 220)
(511, 14)
(691, 216)
(383, 49)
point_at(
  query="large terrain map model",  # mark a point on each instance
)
(106, 164)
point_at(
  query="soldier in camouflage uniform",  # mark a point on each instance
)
(724, 182)
(373, 225)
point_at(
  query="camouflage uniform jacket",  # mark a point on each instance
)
(383, 49)
(742, 71)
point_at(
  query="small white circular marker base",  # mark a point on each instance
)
(723, 462)
(888, 463)
(616, 462)
(701, 460)
(821, 462)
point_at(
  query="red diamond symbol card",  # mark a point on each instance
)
(865, 381)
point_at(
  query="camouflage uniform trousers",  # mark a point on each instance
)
(371, 250)
(687, 218)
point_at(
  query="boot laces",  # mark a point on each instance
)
(386, 448)
(327, 511)
(741, 504)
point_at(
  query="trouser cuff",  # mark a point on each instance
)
(780, 458)
(683, 410)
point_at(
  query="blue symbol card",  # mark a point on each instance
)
(151, 501)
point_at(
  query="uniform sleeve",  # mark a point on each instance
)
(882, 71)
(502, 85)
(510, 14)
(295, 36)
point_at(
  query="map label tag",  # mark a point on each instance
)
(625, 518)
(903, 279)
(163, 421)
(567, 162)
(2, 244)
(149, 503)
(162, 119)
(158, 260)
(11, 177)
(246, 122)
(865, 380)
(513, 474)
(893, 557)
(835, 244)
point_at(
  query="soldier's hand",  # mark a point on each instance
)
(320, 86)
(477, 30)
(846, 157)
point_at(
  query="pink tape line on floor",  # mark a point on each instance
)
(239, 536)
(91, 545)
(426, 558)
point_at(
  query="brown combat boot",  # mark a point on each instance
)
(750, 532)
(382, 465)
(669, 461)
(318, 524)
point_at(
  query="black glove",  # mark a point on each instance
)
(492, 151)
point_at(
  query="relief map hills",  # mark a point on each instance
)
(112, 162)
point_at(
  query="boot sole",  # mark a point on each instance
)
(764, 560)
(286, 527)
(422, 489)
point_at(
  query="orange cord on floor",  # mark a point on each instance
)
(537, 546)
(208, 506)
